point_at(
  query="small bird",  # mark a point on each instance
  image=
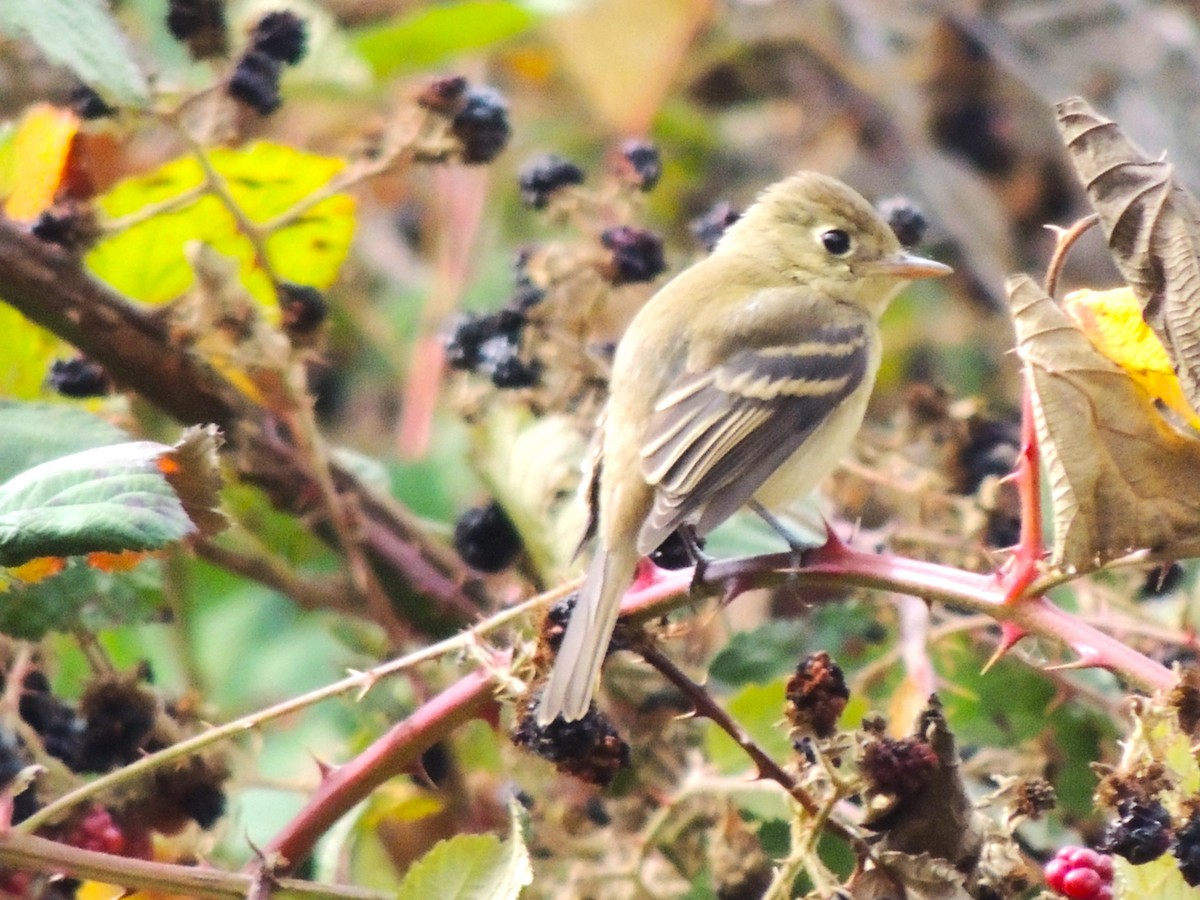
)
(744, 378)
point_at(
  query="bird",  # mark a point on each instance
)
(742, 380)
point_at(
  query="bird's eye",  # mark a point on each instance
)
(836, 241)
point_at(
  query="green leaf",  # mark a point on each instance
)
(471, 867)
(758, 708)
(133, 496)
(37, 432)
(83, 36)
(146, 261)
(761, 654)
(430, 36)
(80, 597)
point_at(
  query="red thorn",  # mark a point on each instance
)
(1010, 635)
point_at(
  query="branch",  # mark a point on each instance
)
(36, 854)
(49, 287)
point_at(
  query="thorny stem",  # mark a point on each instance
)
(394, 753)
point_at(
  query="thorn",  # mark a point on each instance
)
(1010, 635)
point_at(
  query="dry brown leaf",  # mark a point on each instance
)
(1121, 478)
(1153, 228)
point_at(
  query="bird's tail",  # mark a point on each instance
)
(569, 690)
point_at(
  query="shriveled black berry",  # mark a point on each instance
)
(88, 105)
(991, 449)
(465, 343)
(119, 716)
(486, 538)
(637, 254)
(55, 721)
(282, 35)
(590, 748)
(481, 126)
(1187, 850)
(445, 95)
(526, 296)
(436, 764)
(514, 373)
(200, 24)
(1162, 580)
(906, 219)
(1141, 834)
(79, 377)
(644, 163)
(673, 552)
(54, 228)
(541, 176)
(255, 82)
(555, 624)
(709, 227)
(304, 308)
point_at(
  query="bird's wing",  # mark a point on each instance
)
(716, 436)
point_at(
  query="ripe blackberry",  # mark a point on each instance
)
(200, 24)
(1142, 833)
(88, 105)
(642, 160)
(906, 219)
(481, 125)
(1187, 850)
(637, 254)
(590, 748)
(255, 82)
(991, 449)
(55, 228)
(282, 36)
(816, 695)
(709, 227)
(304, 308)
(486, 538)
(673, 552)
(1080, 873)
(543, 175)
(79, 377)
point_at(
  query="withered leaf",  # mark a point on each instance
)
(1121, 478)
(1153, 228)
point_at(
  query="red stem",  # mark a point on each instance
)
(395, 753)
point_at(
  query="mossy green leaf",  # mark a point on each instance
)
(146, 262)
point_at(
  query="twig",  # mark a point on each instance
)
(308, 592)
(1066, 238)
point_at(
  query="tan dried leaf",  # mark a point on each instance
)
(1153, 228)
(1121, 478)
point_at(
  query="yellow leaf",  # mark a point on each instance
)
(38, 569)
(38, 159)
(1113, 322)
(146, 260)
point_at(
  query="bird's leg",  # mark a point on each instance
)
(691, 546)
(780, 529)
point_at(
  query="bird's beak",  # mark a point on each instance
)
(908, 266)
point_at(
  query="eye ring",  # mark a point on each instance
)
(836, 242)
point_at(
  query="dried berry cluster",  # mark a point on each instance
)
(589, 749)
(477, 117)
(117, 722)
